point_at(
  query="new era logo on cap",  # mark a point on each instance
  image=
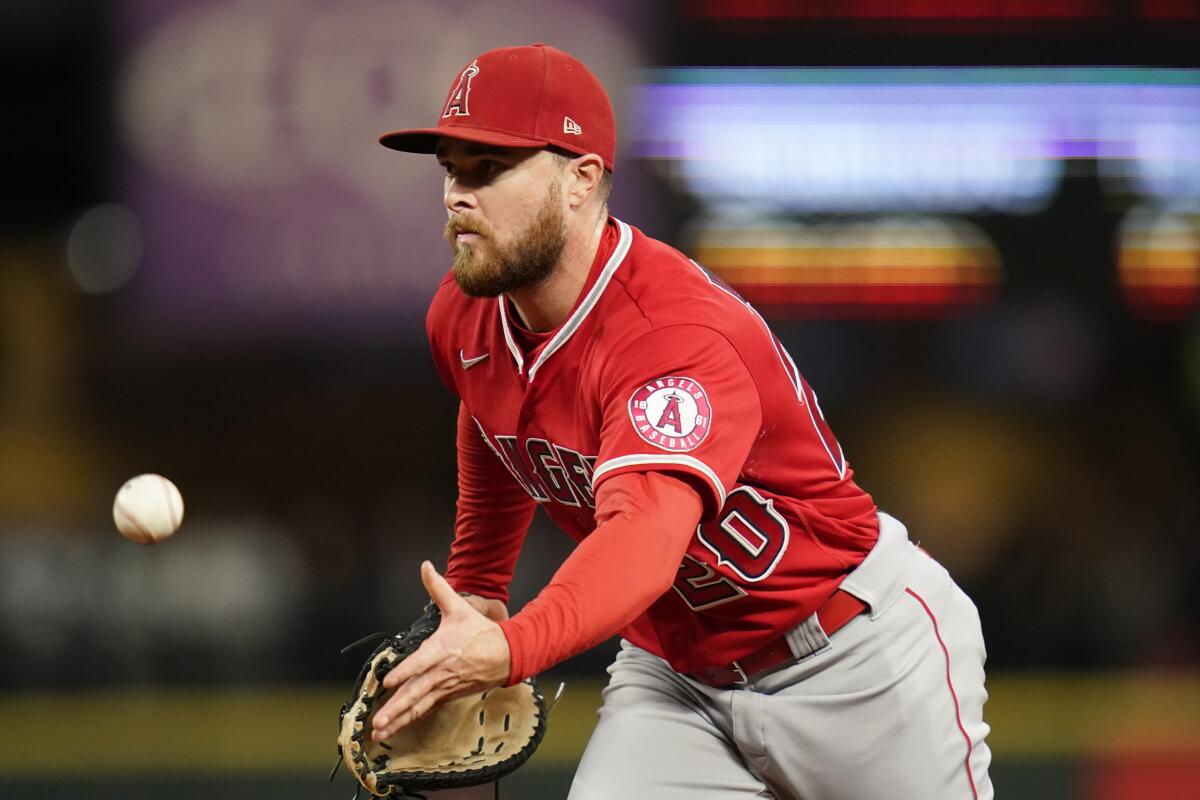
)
(528, 96)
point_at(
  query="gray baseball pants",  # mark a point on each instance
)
(889, 708)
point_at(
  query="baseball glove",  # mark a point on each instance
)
(469, 741)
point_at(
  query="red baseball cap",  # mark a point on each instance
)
(529, 96)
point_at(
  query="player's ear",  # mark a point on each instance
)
(586, 173)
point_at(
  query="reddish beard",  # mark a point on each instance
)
(484, 268)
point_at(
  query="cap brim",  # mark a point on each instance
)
(424, 140)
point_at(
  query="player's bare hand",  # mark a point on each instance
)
(467, 654)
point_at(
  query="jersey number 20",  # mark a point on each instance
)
(748, 539)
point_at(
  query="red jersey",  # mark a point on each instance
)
(659, 367)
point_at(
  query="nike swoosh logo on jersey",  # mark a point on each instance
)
(470, 362)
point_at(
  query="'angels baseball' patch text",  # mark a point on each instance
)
(671, 413)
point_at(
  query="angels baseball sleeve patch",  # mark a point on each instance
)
(671, 413)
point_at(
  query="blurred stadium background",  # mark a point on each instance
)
(976, 225)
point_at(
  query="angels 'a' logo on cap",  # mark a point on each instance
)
(671, 413)
(456, 105)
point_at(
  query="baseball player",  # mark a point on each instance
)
(781, 637)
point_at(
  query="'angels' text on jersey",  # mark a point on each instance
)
(545, 470)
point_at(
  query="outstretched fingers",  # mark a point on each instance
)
(414, 699)
(403, 708)
(420, 662)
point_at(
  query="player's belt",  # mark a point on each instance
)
(840, 608)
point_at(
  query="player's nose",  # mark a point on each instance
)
(457, 198)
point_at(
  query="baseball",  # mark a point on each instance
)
(148, 509)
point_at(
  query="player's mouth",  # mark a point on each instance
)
(463, 232)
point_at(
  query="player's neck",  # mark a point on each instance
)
(545, 306)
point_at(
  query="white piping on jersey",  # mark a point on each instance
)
(488, 441)
(789, 366)
(678, 460)
(841, 466)
(576, 319)
(508, 338)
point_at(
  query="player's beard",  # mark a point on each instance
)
(527, 260)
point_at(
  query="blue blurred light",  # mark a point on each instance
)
(949, 139)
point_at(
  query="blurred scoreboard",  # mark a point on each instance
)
(857, 192)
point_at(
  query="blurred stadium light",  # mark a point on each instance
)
(904, 266)
(104, 247)
(962, 139)
(1159, 261)
(776, 159)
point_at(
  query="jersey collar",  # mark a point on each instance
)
(568, 328)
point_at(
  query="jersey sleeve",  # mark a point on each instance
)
(679, 399)
(492, 519)
(600, 588)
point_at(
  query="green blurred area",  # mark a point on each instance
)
(1053, 736)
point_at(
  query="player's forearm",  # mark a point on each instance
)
(612, 577)
(484, 553)
(492, 518)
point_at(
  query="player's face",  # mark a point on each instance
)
(506, 225)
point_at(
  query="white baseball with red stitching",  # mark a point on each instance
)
(148, 509)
